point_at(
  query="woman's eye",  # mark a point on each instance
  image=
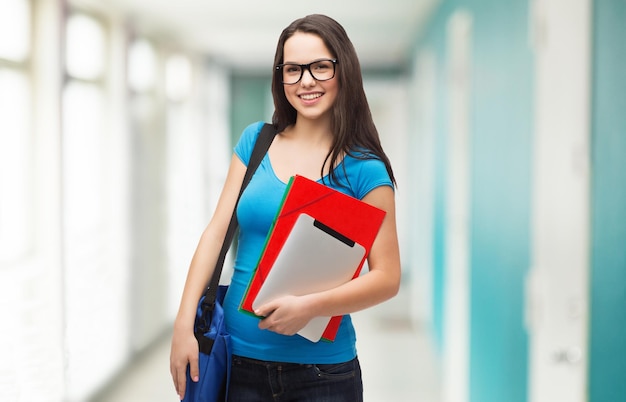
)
(321, 67)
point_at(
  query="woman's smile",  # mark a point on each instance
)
(310, 96)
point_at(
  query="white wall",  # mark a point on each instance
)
(388, 100)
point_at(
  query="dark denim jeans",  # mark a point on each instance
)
(260, 381)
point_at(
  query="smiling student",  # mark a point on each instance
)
(325, 133)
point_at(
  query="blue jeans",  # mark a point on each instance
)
(259, 381)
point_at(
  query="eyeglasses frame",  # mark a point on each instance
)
(308, 67)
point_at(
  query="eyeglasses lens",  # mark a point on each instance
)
(321, 70)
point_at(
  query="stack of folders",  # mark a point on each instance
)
(319, 240)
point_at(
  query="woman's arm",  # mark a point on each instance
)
(184, 349)
(291, 313)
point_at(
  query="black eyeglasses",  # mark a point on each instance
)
(320, 70)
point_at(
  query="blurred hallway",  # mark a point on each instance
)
(397, 359)
(504, 122)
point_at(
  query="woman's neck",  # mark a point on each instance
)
(314, 132)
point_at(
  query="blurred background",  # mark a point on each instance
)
(505, 123)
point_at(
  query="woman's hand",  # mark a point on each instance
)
(184, 352)
(285, 315)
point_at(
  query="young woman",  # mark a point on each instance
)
(325, 133)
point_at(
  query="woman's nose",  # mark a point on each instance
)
(307, 78)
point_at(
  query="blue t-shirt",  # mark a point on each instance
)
(256, 211)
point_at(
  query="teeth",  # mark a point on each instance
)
(310, 96)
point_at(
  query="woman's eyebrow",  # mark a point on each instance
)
(312, 61)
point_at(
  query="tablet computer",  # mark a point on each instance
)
(314, 258)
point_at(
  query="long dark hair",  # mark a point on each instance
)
(351, 122)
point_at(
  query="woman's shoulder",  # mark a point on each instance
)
(365, 171)
(246, 141)
(251, 132)
(363, 159)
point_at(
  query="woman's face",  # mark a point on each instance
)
(311, 98)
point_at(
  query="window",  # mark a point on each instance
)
(15, 30)
(15, 130)
(87, 224)
(142, 66)
(178, 76)
(85, 53)
(83, 131)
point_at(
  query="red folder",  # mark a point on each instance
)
(347, 215)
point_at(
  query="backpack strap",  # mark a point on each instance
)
(262, 144)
